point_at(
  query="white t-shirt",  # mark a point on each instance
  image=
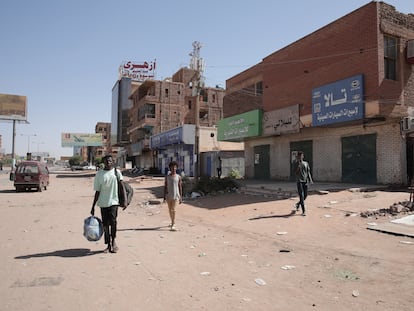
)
(173, 191)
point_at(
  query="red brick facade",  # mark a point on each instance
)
(352, 45)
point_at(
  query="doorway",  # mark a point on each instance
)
(359, 159)
(410, 160)
(261, 162)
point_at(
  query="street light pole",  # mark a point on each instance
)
(13, 155)
(28, 140)
(38, 143)
(197, 132)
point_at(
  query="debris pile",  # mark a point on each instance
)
(406, 207)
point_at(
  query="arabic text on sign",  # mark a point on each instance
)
(333, 115)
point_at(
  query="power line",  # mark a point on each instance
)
(299, 60)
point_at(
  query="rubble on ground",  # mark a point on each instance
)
(406, 207)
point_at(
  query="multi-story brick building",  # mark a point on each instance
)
(339, 94)
(160, 106)
(91, 153)
(105, 129)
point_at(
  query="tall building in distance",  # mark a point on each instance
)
(156, 121)
(104, 128)
(159, 106)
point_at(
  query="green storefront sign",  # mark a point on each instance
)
(236, 128)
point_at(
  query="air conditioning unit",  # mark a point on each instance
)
(410, 51)
(407, 124)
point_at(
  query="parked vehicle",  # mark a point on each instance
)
(82, 166)
(89, 167)
(31, 174)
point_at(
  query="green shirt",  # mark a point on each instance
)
(107, 184)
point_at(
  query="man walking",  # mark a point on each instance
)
(303, 176)
(173, 192)
(106, 197)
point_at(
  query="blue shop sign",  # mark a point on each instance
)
(174, 136)
(338, 102)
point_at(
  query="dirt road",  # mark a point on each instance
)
(232, 252)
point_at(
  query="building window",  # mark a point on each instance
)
(259, 88)
(390, 58)
(166, 92)
(204, 95)
(146, 111)
(203, 115)
(189, 104)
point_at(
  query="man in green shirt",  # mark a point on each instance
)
(106, 197)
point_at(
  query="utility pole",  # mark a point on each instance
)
(197, 64)
(13, 152)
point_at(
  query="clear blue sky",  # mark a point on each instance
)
(64, 54)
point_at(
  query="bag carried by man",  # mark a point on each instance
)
(125, 192)
(92, 228)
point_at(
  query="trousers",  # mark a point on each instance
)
(303, 193)
(109, 222)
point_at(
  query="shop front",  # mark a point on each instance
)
(176, 144)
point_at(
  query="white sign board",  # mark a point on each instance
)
(281, 121)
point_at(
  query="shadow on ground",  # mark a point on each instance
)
(146, 229)
(226, 200)
(65, 253)
(292, 213)
(8, 191)
(74, 175)
(157, 191)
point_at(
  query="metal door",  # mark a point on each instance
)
(261, 162)
(359, 159)
(410, 160)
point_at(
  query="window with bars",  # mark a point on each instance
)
(390, 58)
(204, 95)
(259, 88)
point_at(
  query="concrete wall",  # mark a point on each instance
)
(327, 153)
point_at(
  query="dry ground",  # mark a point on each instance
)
(226, 245)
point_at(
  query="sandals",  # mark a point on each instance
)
(115, 248)
(111, 249)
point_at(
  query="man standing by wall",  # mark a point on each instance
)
(219, 168)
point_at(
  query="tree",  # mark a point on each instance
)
(75, 160)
